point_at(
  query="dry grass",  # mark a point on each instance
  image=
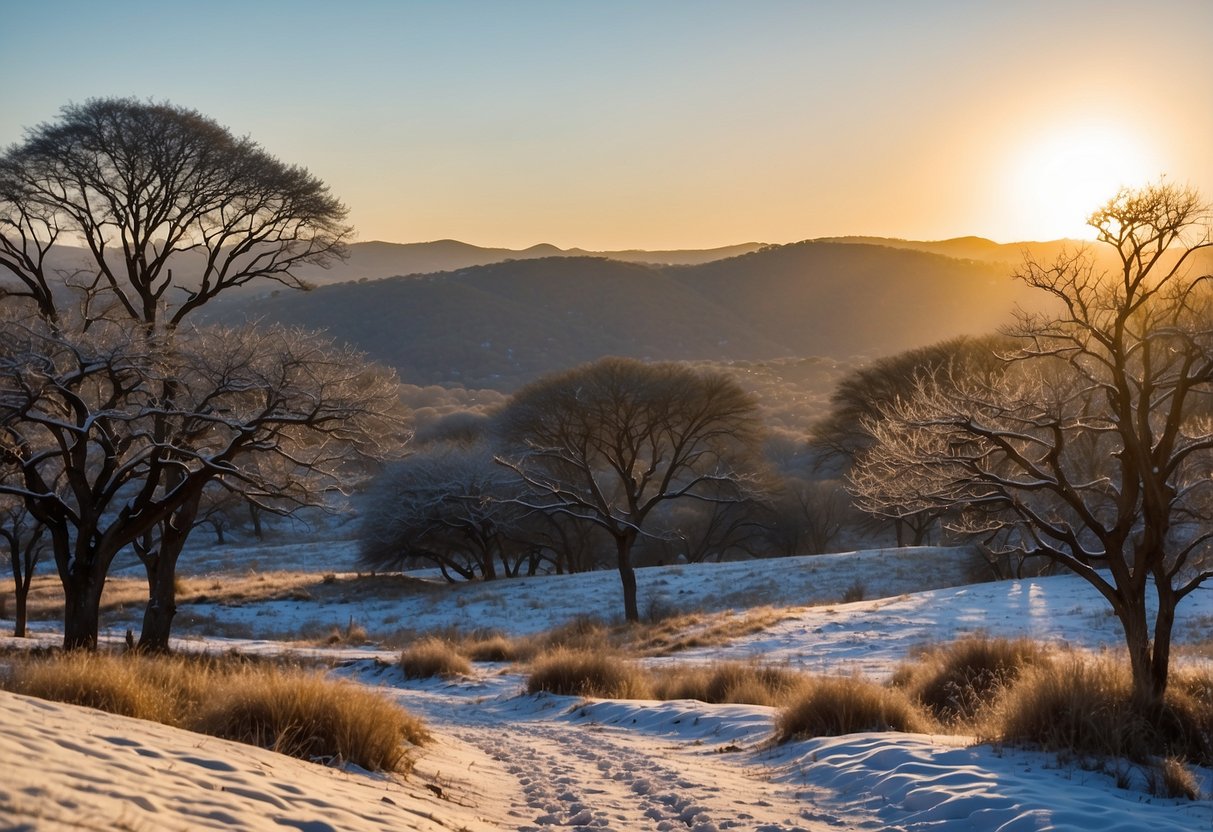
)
(1084, 707)
(128, 685)
(596, 673)
(432, 657)
(1169, 777)
(352, 634)
(957, 682)
(692, 630)
(123, 594)
(835, 706)
(730, 683)
(489, 647)
(306, 715)
(291, 710)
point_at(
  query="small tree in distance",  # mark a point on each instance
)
(1094, 446)
(609, 442)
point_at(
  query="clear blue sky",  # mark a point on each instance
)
(662, 124)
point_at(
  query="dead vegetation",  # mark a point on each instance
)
(283, 708)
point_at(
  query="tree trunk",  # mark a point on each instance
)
(627, 575)
(162, 577)
(81, 609)
(254, 513)
(161, 604)
(1137, 639)
(22, 596)
(1164, 622)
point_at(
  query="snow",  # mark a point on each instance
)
(506, 760)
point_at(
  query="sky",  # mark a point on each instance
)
(662, 124)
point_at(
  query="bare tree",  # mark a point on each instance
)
(149, 189)
(88, 443)
(806, 516)
(865, 393)
(449, 506)
(24, 540)
(610, 442)
(1094, 447)
(171, 210)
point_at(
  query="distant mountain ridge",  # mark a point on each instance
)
(502, 324)
(376, 260)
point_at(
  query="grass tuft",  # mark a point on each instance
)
(835, 706)
(432, 657)
(957, 682)
(1085, 708)
(305, 715)
(594, 673)
(734, 683)
(286, 709)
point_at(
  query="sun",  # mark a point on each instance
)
(1063, 175)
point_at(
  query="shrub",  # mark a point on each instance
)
(352, 633)
(835, 706)
(856, 591)
(1169, 777)
(288, 710)
(489, 646)
(597, 673)
(308, 716)
(127, 684)
(433, 657)
(729, 683)
(957, 682)
(1085, 708)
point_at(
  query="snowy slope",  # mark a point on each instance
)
(506, 760)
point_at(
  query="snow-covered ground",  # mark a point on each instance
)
(505, 760)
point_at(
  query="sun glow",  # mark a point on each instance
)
(1061, 177)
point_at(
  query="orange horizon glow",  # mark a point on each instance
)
(669, 125)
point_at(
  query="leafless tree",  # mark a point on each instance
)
(149, 190)
(171, 210)
(103, 460)
(1094, 446)
(24, 539)
(864, 393)
(610, 442)
(806, 516)
(449, 506)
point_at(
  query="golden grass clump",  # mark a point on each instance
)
(285, 709)
(956, 682)
(127, 685)
(734, 683)
(1169, 777)
(595, 673)
(687, 631)
(432, 657)
(1084, 707)
(835, 706)
(583, 633)
(305, 715)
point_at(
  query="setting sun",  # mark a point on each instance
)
(1060, 176)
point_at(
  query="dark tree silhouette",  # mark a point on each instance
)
(610, 442)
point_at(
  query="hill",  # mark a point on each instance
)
(502, 324)
(377, 260)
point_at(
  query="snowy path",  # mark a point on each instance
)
(575, 771)
(594, 778)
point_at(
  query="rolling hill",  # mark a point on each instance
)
(501, 324)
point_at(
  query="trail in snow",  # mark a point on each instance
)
(578, 773)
